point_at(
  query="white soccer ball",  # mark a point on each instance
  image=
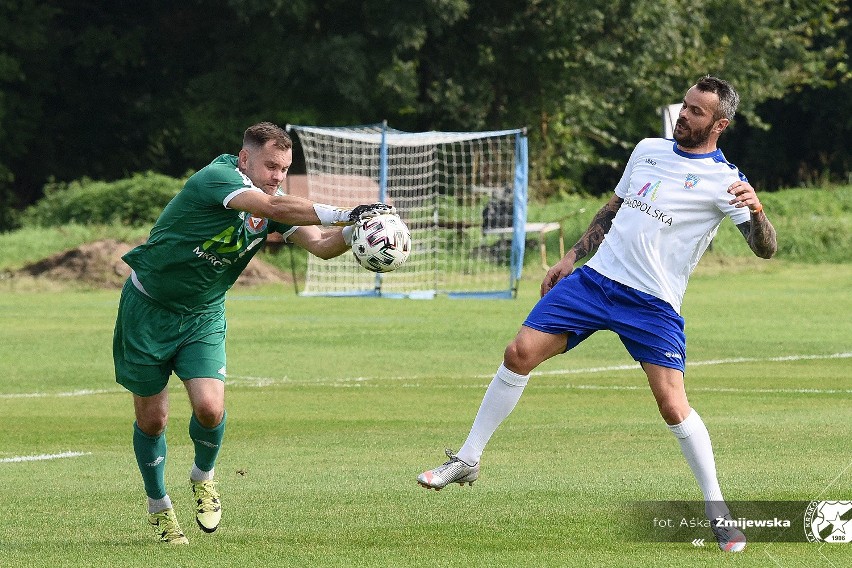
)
(381, 243)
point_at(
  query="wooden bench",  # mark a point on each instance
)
(539, 228)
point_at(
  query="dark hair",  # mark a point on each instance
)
(262, 132)
(729, 100)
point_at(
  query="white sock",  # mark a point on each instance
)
(196, 474)
(157, 505)
(500, 399)
(696, 447)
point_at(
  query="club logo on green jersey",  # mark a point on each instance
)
(255, 225)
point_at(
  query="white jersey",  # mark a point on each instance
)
(673, 205)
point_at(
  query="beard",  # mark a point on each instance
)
(689, 138)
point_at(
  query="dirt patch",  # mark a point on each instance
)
(99, 265)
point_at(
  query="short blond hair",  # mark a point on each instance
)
(259, 134)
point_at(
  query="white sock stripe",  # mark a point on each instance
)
(511, 378)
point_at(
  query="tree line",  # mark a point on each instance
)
(103, 90)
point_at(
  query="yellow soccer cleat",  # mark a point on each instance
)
(208, 509)
(166, 525)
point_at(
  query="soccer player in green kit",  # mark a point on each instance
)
(171, 316)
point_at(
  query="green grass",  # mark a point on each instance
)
(335, 405)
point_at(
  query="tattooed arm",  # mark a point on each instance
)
(760, 235)
(758, 232)
(590, 240)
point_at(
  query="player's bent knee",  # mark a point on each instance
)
(519, 359)
(673, 413)
(209, 412)
(209, 416)
(153, 425)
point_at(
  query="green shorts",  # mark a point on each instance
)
(150, 342)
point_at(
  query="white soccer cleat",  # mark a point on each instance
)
(453, 471)
(730, 539)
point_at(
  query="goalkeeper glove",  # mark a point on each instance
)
(330, 215)
(362, 212)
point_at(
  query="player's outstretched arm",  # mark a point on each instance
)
(322, 243)
(288, 209)
(590, 241)
(298, 211)
(758, 231)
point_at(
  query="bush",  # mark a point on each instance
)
(10, 219)
(135, 201)
(813, 225)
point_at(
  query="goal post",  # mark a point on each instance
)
(669, 114)
(463, 196)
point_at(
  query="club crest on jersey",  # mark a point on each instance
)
(691, 181)
(255, 225)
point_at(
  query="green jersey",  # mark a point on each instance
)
(198, 247)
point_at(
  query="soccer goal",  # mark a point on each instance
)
(463, 195)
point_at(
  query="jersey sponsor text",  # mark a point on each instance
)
(652, 212)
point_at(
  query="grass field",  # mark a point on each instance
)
(335, 405)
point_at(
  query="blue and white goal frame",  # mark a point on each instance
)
(463, 195)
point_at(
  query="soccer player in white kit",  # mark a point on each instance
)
(649, 237)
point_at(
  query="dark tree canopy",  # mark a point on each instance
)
(107, 89)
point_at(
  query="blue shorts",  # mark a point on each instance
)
(586, 302)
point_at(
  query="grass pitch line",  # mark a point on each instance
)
(42, 457)
(82, 392)
(733, 360)
(713, 389)
(261, 382)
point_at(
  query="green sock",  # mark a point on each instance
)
(207, 442)
(151, 457)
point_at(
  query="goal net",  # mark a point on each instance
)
(463, 195)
